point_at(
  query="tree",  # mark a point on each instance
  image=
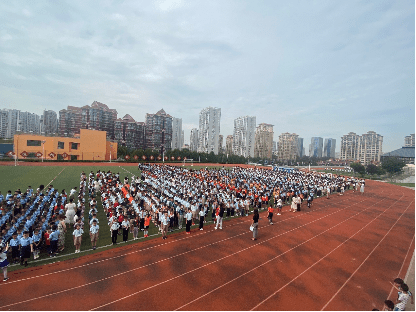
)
(392, 165)
(358, 167)
(372, 169)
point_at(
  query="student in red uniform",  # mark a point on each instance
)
(270, 216)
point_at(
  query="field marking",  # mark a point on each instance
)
(330, 300)
(144, 266)
(174, 241)
(325, 257)
(55, 177)
(274, 258)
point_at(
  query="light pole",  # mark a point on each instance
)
(43, 145)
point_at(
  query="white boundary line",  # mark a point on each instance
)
(55, 177)
(141, 267)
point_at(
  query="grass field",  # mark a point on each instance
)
(67, 177)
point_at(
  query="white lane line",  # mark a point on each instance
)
(364, 260)
(321, 259)
(278, 256)
(144, 266)
(170, 242)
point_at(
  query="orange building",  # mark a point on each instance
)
(90, 145)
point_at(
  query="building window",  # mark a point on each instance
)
(61, 145)
(74, 146)
(74, 157)
(31, 155)
(34, 143)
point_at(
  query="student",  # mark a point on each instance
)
(403, 298)
(125, 224)
(388, 305)
(188, 217)
(53, 237)
(279, 206)
(135, 225)
(165, 224)
(220, 214)
(270, 216)
(15, 245)
(77, 234)
(255, 224)
(37, 238)
(114, 226)
(48, 241)
(26, 247)
(146, 225)
(3, 260)
(201, 219)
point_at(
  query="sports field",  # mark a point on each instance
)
(339, 255)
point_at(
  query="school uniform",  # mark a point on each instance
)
(77, 236)
(53, 237)
(36, 241)
(3, 259)
(25, 247)
(114, 231)
(125, 225)
(14, 244)
(201, 219)
(188, 221)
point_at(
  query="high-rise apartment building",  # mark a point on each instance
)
(129, 133)
(95, 117)
(329, 148)
(220, 143)
(288, 146)
(13, 120)
(159, 131)
(70, 121)
(244, 136)
(99, 117)
(48, 122)
(193, 140)
(301, 150)
(177, 141)
(371, 148)
(263, 141)
(209, 130)
(366, 148)
(409, 140)
(316, 147)
(229, 145)
(350, 146)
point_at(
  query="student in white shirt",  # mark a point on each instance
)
(77, 234)
(94, 229)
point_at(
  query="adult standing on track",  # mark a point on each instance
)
(255, 223)
(362, 187)
(220, 214)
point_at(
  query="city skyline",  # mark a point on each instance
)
(320, 69)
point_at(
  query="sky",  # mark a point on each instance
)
(314, 68)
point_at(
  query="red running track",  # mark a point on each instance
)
(339, 255)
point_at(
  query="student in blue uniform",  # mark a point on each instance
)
(26, 247)
(53, 237)
(37, 238)
(15, 245)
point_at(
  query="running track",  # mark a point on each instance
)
(339, 255)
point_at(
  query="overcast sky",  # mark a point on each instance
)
(314, 68)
